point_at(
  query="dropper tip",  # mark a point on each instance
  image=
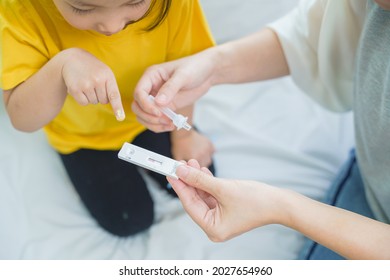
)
(186, 126)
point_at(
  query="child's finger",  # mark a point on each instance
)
(115, 99)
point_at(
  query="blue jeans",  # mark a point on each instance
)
(346, 192)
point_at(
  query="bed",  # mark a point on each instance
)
(268, 131)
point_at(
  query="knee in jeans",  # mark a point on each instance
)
(126, 223)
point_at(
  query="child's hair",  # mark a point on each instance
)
(164, 9)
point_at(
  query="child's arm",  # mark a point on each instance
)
(35, 102)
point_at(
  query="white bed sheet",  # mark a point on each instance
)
(262, 131)
(265, 131)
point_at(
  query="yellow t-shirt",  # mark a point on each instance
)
(32, 32)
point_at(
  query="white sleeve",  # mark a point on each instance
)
(320, 38)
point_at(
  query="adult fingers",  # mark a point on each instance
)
(207, 171)
(142, 91)
(194, 163)
(197, 178)
(153, 123)
(170, 88)
(193, 203)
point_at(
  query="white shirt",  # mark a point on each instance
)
(327, 59)
(320, 39)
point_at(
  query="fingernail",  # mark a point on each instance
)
(161, 98)
(182, 171)
(120, 115)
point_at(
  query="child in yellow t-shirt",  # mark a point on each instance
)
(71, 67)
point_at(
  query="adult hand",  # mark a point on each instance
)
(224, 208)
(174, 84)
(90, 81)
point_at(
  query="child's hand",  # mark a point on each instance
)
(192, 145)
(90, 81)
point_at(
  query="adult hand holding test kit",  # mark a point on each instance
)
(178, 120)
(149, 160)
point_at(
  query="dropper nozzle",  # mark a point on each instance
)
(178, 120)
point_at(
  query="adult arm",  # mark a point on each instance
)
(181, 82)
(227, 208)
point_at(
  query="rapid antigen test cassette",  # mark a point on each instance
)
(149, 160)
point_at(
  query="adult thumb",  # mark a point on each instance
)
(169, 89)
(196, 178)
